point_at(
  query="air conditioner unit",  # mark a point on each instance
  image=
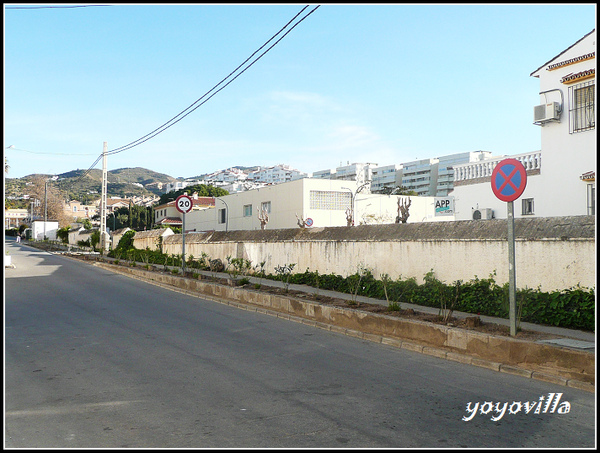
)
(482, 214)
(546, 112)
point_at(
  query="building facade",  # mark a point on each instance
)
(311, 203)
(561, 177)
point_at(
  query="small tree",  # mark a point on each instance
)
(284, 272)
(63, 234)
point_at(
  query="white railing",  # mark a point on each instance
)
(484, 168)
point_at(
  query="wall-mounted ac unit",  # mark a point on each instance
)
(546, 112)
(482, 214)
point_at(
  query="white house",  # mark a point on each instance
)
(41, 229)
(561, 177)
(313, 203)
(167, 214)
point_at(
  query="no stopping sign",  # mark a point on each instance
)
(509, 179)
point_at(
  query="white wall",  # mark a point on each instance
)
(565, 156)
(548, 261)
(557, 190)
(294, 198)
(37, 230)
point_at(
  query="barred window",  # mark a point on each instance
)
(330, 200)
(527, 206)
(581, 104)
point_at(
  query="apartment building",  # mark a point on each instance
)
(276, 174)
(561, 176)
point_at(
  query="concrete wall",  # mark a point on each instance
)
(151, 239)
(552, 253)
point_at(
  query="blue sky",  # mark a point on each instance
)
(351, 83)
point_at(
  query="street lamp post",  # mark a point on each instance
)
(353, 197)
(226, 212)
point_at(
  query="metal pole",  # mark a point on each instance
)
(103, 241)
(511, 270)
(183, 244)
(45, 206)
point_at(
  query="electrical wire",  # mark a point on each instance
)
(191, 108)
(52, 7)
(53, 154)
(183, 113)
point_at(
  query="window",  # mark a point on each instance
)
(248, 210)
(581, 104)
(266, 206)
(591, 199)
(527, 206)
(331, 200)
(222, 215)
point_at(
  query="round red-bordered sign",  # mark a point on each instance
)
(184, 204)
(509, 179)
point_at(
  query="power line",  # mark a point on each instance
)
(187, 111)
(183, 113)
(53, 7)
(53, 154)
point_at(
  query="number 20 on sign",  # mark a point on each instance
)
(183, 204)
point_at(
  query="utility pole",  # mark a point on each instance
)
(45, 206)
(103, 242)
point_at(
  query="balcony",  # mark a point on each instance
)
(481, 171)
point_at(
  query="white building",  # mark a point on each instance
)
(276, 174)
(41, 230)
(561, 177)
(317, 202)
(421, 176)
(386, 177)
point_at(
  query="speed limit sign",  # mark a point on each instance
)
(184, 204)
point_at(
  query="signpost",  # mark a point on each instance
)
(184, 204)
(509, 179)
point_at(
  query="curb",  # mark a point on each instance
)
(394, 342)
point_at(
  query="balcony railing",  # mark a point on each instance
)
(483, 169)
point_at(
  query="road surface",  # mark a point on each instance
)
(96, 359)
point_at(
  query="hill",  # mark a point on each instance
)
(79, 185)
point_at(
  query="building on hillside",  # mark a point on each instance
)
(167, 214)
(145, 200)
(312, 203)
(276, 174)
(561, 177)
(77, 210)
(114, 203)
(359, 172)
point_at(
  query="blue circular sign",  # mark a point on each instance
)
(509, 179)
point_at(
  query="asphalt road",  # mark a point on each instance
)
(95, 359)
